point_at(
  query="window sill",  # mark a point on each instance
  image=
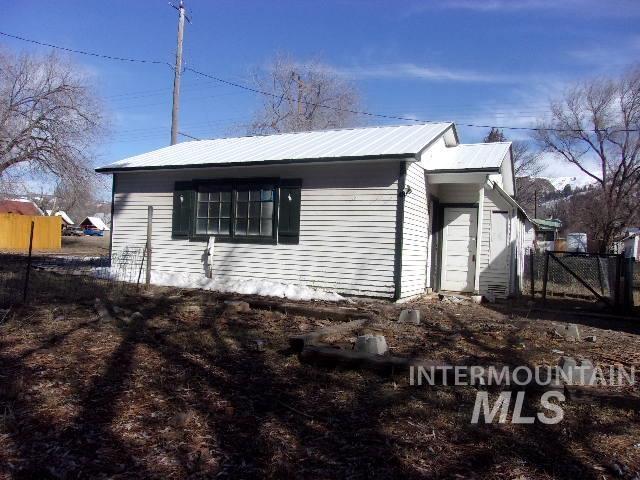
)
(236, 240)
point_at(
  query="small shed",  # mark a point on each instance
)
(66, 219)
(94, 223)
(632, 246)
(19, 206)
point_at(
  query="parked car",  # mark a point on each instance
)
(72, 231)
(94, 232)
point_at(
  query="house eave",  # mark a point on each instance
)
(396, 156)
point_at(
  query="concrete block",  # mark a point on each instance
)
(410, 316)
(578, 372)
(589, 376)
(569, 332)
(590, 338)
(375, 344)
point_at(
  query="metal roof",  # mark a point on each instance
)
(63, 214)
(472, 156)
(19, 206)
(96, 222)
(353, 143)
(550, 224)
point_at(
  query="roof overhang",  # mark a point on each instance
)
(509, 199)
(354, 159)
(459, 176)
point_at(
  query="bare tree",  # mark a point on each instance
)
(49, 118)
(302, 97)
(597, 123)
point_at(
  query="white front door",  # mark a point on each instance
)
(459, 249)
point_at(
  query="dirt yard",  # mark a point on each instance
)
(179, 392)
(85, 246)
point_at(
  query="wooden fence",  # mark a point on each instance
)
(15, 231)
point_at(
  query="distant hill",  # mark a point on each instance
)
(575, 182)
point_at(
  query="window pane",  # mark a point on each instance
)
(202, 209)
(267, 227)
(201, 226)
(225, 196)
(241, 209)
(225, 210)
(214, 210)
(224, 226)
(254, 226)
(242, 195)
(214, 196)
(266, 195)
(202, 197)
(241, 227)
(213, 226)
(254, 195)
(267, 209)
(254, 210)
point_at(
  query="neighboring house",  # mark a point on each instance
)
(94, 223)
(66, 219)
(105, 217)
(631, 245)
(20, 206)
(382, 211)
(546, 233)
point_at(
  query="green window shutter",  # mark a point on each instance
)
(183, 198)
(289, 216)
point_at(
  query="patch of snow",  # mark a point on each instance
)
(576, 182)
(218, 284)
(244, 287)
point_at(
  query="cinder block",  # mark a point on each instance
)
(410, 316)
(375, 344)
(569, 332)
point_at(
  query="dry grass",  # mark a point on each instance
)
(181, 394)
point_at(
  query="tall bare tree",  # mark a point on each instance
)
(596, 126)
(50, 120)
(302, 97)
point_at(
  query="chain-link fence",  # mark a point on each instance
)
(597, 277)
(41, 277)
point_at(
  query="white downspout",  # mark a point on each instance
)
(476, 283)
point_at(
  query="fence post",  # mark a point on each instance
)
(26, 277)
(618, 297)
(546, 275)
(532, 273)
(148, 247)
(628, 283)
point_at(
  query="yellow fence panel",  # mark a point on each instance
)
(15, 231)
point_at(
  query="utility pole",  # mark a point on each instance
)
(535, 204)
(178, 74)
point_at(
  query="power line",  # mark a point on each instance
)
(82, 52)
(311, 104)
(188, 136)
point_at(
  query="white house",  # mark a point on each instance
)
(388, 211)
(631, 245)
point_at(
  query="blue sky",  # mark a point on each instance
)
(487, 62)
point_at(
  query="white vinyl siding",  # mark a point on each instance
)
(495, 276)
(347, 227)
(415, 234)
